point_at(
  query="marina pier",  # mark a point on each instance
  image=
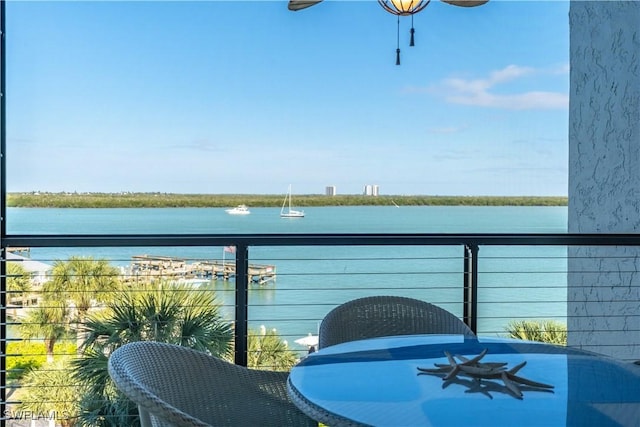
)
(180, 269)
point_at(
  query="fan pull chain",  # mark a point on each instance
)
(411, 43)
(398, 43)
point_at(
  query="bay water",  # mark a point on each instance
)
(514, 282)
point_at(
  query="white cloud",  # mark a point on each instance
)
(481, 92)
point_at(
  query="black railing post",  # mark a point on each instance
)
(470, 287)
(3, 215)
(242, 304)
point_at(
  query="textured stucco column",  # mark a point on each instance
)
(604, 175)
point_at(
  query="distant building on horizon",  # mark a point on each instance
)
(330, 190)
(371, 190)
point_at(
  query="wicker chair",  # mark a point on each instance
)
(178, 386)
(381, 316)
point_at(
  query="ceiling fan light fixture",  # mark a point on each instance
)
(403, 7)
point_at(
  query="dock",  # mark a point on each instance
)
(20, 251)
(176, 268)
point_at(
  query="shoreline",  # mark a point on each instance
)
(175, 200)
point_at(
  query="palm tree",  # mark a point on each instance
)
(82, 281)
(548, 331)
(38, 385)
(18, 281)
(177, 315)
(47, 321)
(267, 350)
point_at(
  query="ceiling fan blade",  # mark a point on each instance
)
(466, 3)
(301, 4)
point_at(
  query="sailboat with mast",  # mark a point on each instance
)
(286, 211)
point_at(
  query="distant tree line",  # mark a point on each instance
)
(173, 200)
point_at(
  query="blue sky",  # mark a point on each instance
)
(248, 97)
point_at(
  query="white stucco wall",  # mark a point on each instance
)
(604, 175)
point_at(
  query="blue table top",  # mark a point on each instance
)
(377, 382)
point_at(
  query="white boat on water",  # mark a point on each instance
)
(286, 211)
(239, 210)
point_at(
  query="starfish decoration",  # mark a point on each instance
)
(478, 370)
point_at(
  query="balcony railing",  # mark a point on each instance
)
(289, 282)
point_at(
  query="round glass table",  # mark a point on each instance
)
(408, 381)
